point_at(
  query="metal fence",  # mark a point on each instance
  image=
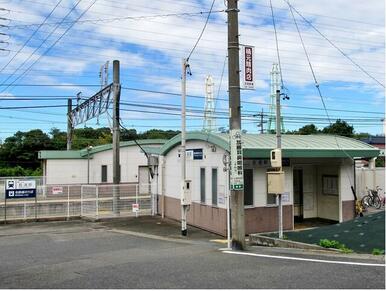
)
(67, 201)
(105, 201)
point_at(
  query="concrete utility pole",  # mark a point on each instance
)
(278, 146)
(116, 138)
(184, 207)
(69, 124)
(237, 196)
(261, 123)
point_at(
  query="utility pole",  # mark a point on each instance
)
(69, 124)
(278, 146)
(116, 138)
(261, 123)
(236, 162)
(184, 202)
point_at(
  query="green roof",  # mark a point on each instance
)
(294, 146)
(82, 154)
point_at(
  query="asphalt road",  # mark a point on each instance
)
(92, 255)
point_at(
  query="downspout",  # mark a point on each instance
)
(163, 187)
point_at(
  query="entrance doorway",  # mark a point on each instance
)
(248, 187)
(298, 195)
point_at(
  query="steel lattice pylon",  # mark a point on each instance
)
(209, 119)
(275, 85)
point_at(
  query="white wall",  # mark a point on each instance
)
(328, 205)
(172, 173)
(130, 158)
(346, 180)
(310, 201)
(260, 184)
(369, 178)
(74, 171)
(66, 171)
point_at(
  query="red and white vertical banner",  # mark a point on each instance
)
(247, 67)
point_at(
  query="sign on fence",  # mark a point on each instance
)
(20, 189)
(135, 207)
(57, 190)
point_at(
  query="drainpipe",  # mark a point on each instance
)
(163, 188)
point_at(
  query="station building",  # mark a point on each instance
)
(319, 174)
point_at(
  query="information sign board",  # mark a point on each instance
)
(20, 189)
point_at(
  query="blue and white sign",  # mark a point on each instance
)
(194, 154)
(20, 189)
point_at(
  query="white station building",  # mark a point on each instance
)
(319, 174)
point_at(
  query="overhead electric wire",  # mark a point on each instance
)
(246, 102)
(202, 32)
(30, 107)
(52, 45)
(277, 46)
(41, 44)
(97, 20)
(331, 43)
(32, 35)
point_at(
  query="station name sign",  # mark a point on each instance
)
(20, 189)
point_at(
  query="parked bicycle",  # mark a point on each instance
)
(372, 199)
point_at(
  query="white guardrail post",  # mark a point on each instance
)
(136, 198)
(96, 201)
(81, 200)
(68, 202)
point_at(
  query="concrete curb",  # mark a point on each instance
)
(261, 240)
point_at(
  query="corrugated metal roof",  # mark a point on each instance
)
(82, 154)
(259, 145)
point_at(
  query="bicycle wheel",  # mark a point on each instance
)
(366, 202)
(377, 202)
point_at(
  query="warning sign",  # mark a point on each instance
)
(135, 207)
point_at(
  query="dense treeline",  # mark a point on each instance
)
(19, 153)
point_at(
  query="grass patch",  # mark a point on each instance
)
(334, 244)
(378, 252)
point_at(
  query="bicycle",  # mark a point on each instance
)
(372, 198)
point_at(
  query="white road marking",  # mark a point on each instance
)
(303, 259)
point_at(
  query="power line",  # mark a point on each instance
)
(52, 45)
(247, 102)
(202, 32)
(335, 46)
(41, 44)
(32, 35)
(121, 18)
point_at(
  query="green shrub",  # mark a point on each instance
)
(334, 244)
(326, 243)
(378, 252)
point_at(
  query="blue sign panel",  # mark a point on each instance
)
(20, 193)
(197, 154)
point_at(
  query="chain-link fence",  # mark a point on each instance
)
(67, 201)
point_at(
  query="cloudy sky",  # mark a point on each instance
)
(151, 37)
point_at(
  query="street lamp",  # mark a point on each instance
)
(89, 148)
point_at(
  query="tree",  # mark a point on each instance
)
(58, 139)
(158, 134)
(308, 129)
(22, 148)
(340, 127)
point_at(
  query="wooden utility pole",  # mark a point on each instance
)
(69, 124)
(116, 138)
(237, 191)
